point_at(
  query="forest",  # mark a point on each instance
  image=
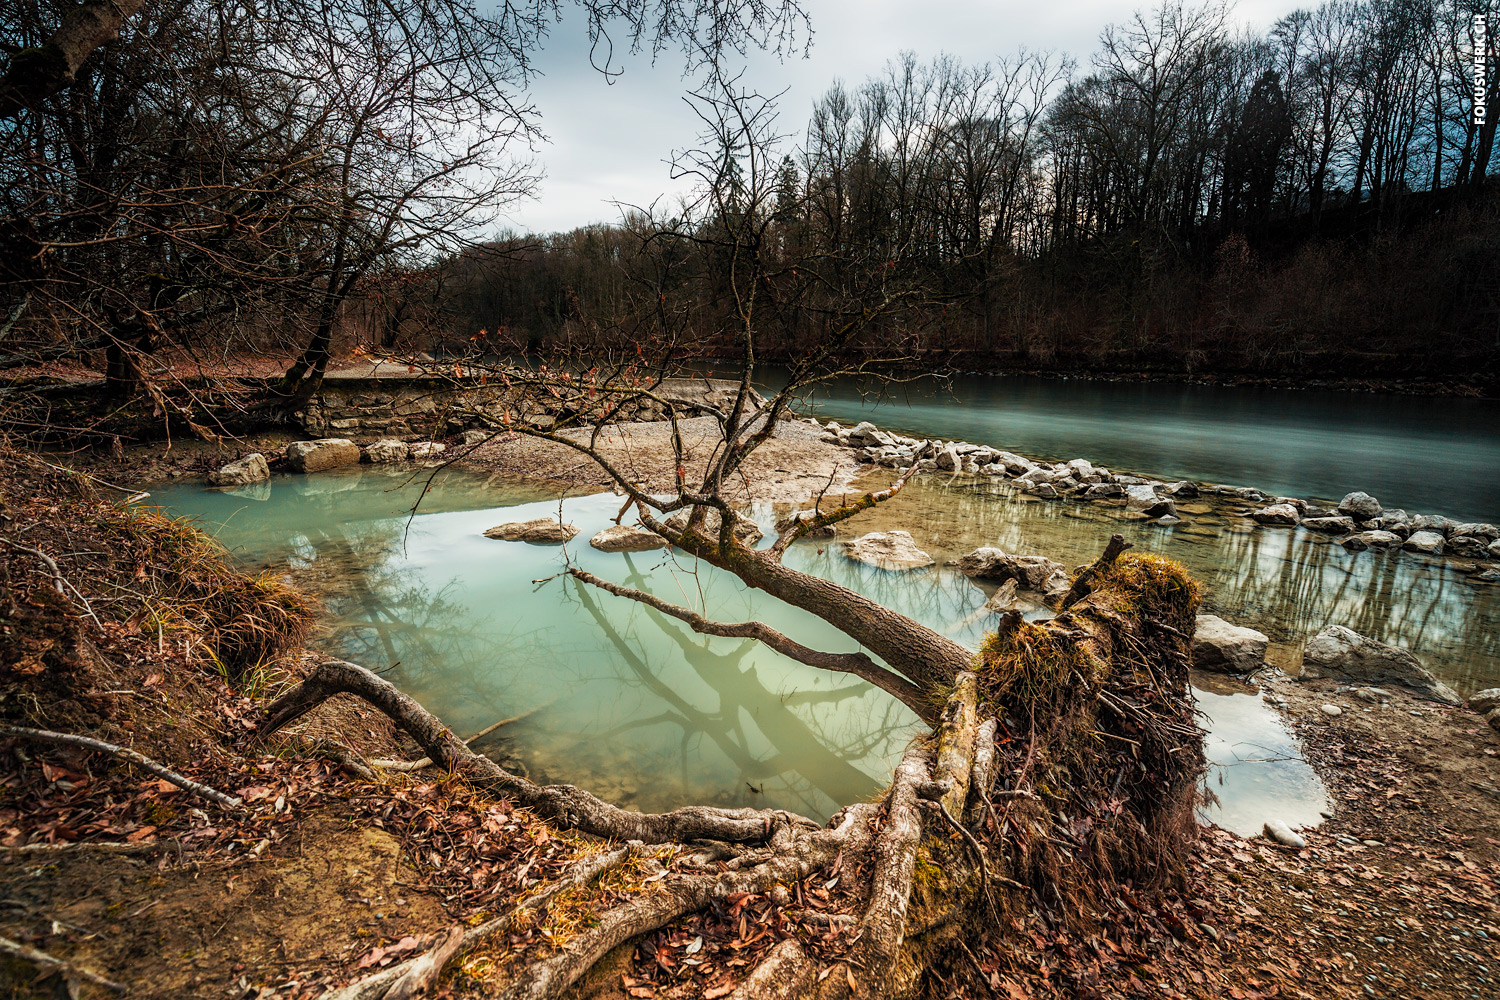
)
(1191, 196)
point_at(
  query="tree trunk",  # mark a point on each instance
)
(926, 657)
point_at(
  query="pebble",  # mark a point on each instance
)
(1372, 843)
(1332, 710)
(1283, 834)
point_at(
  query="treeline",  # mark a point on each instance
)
(1194, 196)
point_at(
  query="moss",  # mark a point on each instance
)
(1153, 587)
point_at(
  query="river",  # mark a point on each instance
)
(646, 713)
(1426, 455)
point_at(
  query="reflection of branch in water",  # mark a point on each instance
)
(700, 655)
(741, 695)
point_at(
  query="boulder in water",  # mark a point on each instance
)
(627, 538)
(1330, 525)
(242, 472)
(1226, 648)
(1429, 542)
(1277, 514)
(893, 550)
(1360, 506)
(1371, 540)
(1467, 546)
(324, 453)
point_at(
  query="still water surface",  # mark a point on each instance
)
(640, 709)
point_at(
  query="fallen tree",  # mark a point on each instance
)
(1062, 760)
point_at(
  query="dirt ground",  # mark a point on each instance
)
(1398, 893)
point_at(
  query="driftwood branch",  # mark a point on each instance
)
(857, 664)
(51, 963)
(125, 754)
(807, 522)
(1086, 580)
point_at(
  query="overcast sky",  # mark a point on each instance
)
(610, 141)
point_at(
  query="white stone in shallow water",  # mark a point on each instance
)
(1333, 711)
(1283, 834)
(250, 469)
(1371, 540)
(1360, 506)
(894, 550)
(324, 453)
(1277, 513)
(1221, 646)
(1430, 542)
(627, 538)
(541, 531)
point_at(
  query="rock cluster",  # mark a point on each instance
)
(1031, 572)
(1359, 520)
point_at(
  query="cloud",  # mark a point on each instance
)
(610, 141)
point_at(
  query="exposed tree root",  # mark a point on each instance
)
(51, 963)
(565, 804)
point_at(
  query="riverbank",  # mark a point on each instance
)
(1215, 939)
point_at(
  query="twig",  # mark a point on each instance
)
(125, 754)
(59, 583)
(1085, 581)
(88, 846)
(54, 964)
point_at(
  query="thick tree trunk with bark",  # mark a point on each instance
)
(36, 74)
